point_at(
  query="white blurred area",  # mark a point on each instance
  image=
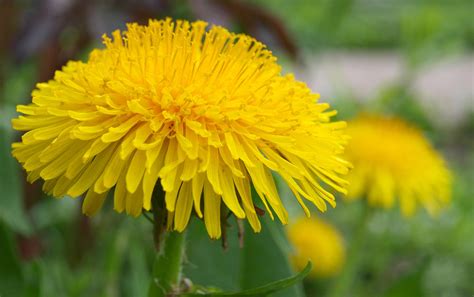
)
(445, 88)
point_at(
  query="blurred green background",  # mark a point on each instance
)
(413, 59)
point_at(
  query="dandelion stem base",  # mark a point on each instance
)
(167, 266)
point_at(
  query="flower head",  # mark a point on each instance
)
(393, 160)
(316, 240)
(206, 114)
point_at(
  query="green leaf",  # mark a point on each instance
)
(408, 285)
(11, 275)
(265, 258)
(139, 276)
(11, 207)
(263, 290)
(31, 282)
(208, 263)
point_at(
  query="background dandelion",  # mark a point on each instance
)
(393, 161)
(315, 239)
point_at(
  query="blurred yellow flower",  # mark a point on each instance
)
(393, 159)
(201, 111)
(314, 239)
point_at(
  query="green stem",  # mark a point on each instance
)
(167, 266)
(344, 282)
(169, 248)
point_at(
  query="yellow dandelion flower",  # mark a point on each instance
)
(198, 111)
(392, 159)
(316, 240)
